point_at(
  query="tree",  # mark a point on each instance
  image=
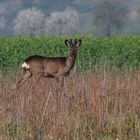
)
(29, 21)
(110, 15)
(64, 22)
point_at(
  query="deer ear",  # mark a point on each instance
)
(67, 43)
(78, 43)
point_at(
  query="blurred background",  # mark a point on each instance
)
(53, 17)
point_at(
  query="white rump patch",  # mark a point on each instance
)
(25, 65)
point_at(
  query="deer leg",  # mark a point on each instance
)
(36, 79)
(25, 77)
(61, 81)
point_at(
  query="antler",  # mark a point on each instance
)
(75, 42)
(70, 41)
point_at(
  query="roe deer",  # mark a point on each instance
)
(53, 67)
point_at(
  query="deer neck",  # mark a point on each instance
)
(70, 62)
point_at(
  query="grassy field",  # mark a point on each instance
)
(100, 99)
(117, 52)
(91, 106)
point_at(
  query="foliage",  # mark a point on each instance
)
(110, 15)
(95, 52)
(33, 21)
(29, 21)
(64, 22)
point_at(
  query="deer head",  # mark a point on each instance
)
(73, 47)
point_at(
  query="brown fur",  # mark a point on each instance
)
(54, 67)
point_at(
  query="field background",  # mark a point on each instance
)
(100, 99)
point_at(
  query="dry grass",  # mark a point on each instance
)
(98, 106)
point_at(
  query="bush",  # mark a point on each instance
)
(111, 52)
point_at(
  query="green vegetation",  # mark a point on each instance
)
(113, 52)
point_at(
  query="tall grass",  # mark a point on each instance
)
(92, 106)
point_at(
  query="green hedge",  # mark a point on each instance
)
(112, 52)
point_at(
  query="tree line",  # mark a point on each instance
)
(109, 16)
